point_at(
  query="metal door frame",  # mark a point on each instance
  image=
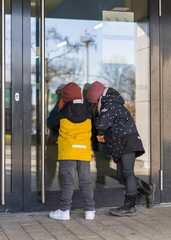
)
(165, 99)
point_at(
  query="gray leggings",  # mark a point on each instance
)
(68, 170)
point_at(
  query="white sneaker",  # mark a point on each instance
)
(60, 215)
(90, 215)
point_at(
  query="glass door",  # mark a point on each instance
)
(83, 41)
(46, 45)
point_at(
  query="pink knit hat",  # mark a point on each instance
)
(95, 92)
(70, 92)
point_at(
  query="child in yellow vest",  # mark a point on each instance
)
(74, 151)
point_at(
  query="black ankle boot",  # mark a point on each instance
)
(128, 209)
(149, 191)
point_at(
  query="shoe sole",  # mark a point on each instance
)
(153, 194)
(64, 219)
(123, 215)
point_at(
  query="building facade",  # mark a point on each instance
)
(125, 44)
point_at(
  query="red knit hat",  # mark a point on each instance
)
(95, 92)
(70, 92)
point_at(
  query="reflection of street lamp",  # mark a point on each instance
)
(100, 25)
(62, 44)
(87, 39)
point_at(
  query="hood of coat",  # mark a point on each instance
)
(76, 111)
(110, 95)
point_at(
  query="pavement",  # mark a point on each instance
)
(154, 224)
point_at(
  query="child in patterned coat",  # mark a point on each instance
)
(122, 139)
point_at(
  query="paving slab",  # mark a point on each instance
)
(148, 224)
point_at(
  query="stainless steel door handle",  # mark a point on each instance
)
(160, 6)
(42, 101)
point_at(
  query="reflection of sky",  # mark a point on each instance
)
(74, 29)
(118, 51)
(120, 34)
(114, 42)
(8, 47)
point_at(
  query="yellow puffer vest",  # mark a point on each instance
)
(74, 140)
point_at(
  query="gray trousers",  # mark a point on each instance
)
(125, 171)
(68, 170)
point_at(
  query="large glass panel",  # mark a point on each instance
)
(85, 41)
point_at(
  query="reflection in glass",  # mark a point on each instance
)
(8, 109)
(106, 42)
(8, 96)
(36, 101)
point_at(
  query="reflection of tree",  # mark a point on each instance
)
(59, 62)
(65, 69)
(61, 65)
(121, 77)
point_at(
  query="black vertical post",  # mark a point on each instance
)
(155, 96)
(17, 78)
(26, 102)
(165, 89)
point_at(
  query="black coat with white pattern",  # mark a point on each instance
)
(120, 132)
